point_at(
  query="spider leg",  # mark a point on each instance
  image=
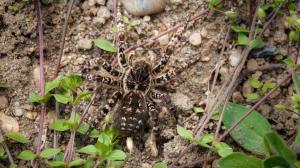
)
(153, 114)
(105, 80)
(106, 66)
(111, 102)
(166, 100)
(164, 77)
(160, 64)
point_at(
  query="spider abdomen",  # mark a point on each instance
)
(130, 117)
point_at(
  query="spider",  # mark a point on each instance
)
(136, 81)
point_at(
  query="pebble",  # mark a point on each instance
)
(164, 40)
(235, 58)
(247, 89)
(182, 101)
(204, 33)
(18, 110)
(100, 2)
(31, 115)
(147, 18)
(8, 124)
(237, 97)
(3, 102)
(280, 36)
(92, 2)
(195, 39)
(102, 15)
(84, 44)
(252, 65)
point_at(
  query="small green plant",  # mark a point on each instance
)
(261, 88)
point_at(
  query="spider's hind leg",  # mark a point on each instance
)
(153, 114)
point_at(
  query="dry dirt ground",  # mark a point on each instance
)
(19, 64)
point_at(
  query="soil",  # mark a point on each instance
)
(19, 63)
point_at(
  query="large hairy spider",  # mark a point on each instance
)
(136, 82)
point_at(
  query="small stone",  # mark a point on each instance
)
(164, 40)
(85, 5)
(182, 101)
(3, 102)
(27, 107)
(31, 115)
(295, 116)
(205, 59)
(280, 37)
(195, 39)
(91, 2)
(252, 65)
(84, 44)
(206, 49)
(100, 2)
(50, 117)
(265, 110)
(204, 33)
(235, 58)
(237, 97)
(147, 18)
(18, 110)
(247, 89)
(8, 124)
(103, 12)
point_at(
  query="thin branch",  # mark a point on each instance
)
(62, 40)
(42, 77)
(7, 151)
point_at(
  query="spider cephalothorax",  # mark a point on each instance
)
(138, 77)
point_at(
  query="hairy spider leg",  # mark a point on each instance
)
(105, 80)
(160, 64)
(107, 67)
(164, 78)
(153, 114)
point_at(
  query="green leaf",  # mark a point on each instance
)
(231, 15)
(52, 84)
(276, 162)
(256, 43)
(255, 83)
(104, 138)
(47, 153)
(71, 82)
(77, 162)
(240, 160)
(222, 148)
(59, 125)
(261, 13)
(2, 151)
(275, 145)
(267, 86)
(89, 163)
(296, 144)
(254, 126)
(279, 107)
(94, 133)
(83, 128)
(18, 137)
(26, 155)
(12, 166)
(160, 165)
(105, 45)
(56, 163)
(34, 97)
(289, 62)
(116, 155)
(239, 29)
(293, 36)
(89, 149)
(64, 99)
(184, 133)
(198, 109)
(86, 95)
(252, 96)
(205, 139)
(213, 4)
(296, 81)
(243, 39)
(3, 86)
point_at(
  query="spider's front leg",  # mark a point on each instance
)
(164, 78)
(103, 79)
(153, 114)
(160, 64)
